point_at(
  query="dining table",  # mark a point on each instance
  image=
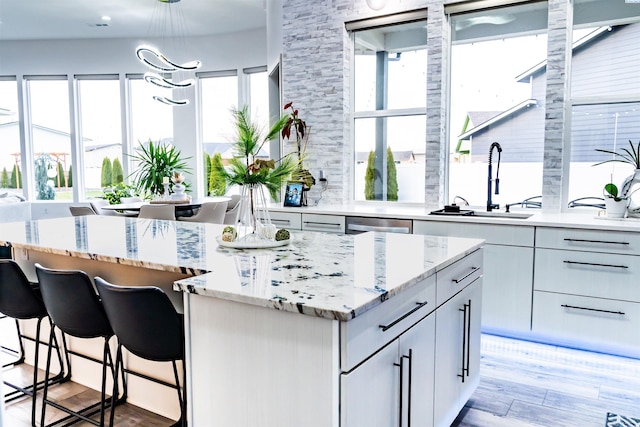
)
(187, 208)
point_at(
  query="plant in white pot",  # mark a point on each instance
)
(616, 205)
(630, 156)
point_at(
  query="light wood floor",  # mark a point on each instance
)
(522, 385)
(525, 384)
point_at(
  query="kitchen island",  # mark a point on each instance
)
(329, 330)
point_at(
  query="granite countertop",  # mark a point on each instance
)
(587, 218)
(326, 275)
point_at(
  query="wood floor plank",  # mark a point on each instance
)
(589, 406)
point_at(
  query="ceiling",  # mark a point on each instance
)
(81, 19)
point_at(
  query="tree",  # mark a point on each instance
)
(105, 180)
(117, 175)
(370, 177)
(70, 177)
(16, 177)
(207, 171)
(60, 181)
(43, 189)
(217, 183)
(4, 178)
(392, 177)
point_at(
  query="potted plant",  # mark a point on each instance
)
(629, 156)
(301, 131)
(254, 174)
(615, 204)
(155, 162)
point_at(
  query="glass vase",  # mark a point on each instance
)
(254, 223)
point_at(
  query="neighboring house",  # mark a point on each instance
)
(520, 129)
(58, 145)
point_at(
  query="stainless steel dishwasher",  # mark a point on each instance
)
(357, 225)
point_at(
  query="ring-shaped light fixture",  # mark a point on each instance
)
(169, 101)
(166, 64)
(160, 81)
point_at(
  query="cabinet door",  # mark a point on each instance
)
(457, 353)
(417, 352)
(370, 394)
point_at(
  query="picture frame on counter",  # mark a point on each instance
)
(293, 194)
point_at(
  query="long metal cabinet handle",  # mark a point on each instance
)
(359, 227)
(621, 313)
(473, 270)
(464, 340)
(401, 365)
(410, 357)
(419, 305)
(608, 242)
(595, 264)
(281, 221)
(323, 224)
(468, 338)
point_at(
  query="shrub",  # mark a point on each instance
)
(105, 180)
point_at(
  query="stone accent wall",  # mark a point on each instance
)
(316, 76)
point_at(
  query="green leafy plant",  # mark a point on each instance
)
(245, 168)
(370, 177)
(4, 178)
(630, 156)
(154, 162)
(392, 177)
(611, 190)
(118, 191)
(106, 172)
(301, 131)
(117, 175)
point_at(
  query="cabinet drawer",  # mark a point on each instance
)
(588, 273)
(588, 240)
(598, 324)
(365, 334)
(290, 221)
(329, 223)
(458, 276)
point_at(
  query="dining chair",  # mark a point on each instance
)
(97, 207)
(158, 212)
(81, 210)
(213, 212)
(147, 325)
(231, 216)
(132, 199)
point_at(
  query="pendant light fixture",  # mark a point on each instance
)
(167, 16)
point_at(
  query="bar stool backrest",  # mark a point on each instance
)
(18, 299)
(72, 303)
(144, 320)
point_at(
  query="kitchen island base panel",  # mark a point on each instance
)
(260, 366)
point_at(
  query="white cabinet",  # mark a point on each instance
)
(457, 353)
(288, 220)
(394, 387)
(508, 271)
(585, 292)
(326, 223)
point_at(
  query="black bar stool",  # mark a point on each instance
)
(146, 324)
(21, 299)
(75, 308)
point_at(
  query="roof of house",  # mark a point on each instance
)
(517, 109)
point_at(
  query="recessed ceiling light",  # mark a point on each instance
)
(105, 18)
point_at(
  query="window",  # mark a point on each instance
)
(150, 119)
(259, 99)
(10, 167)
(48, 100)
(389, 116)
(498, 90)
(100, 132)
(218, 97)
(605, 93)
